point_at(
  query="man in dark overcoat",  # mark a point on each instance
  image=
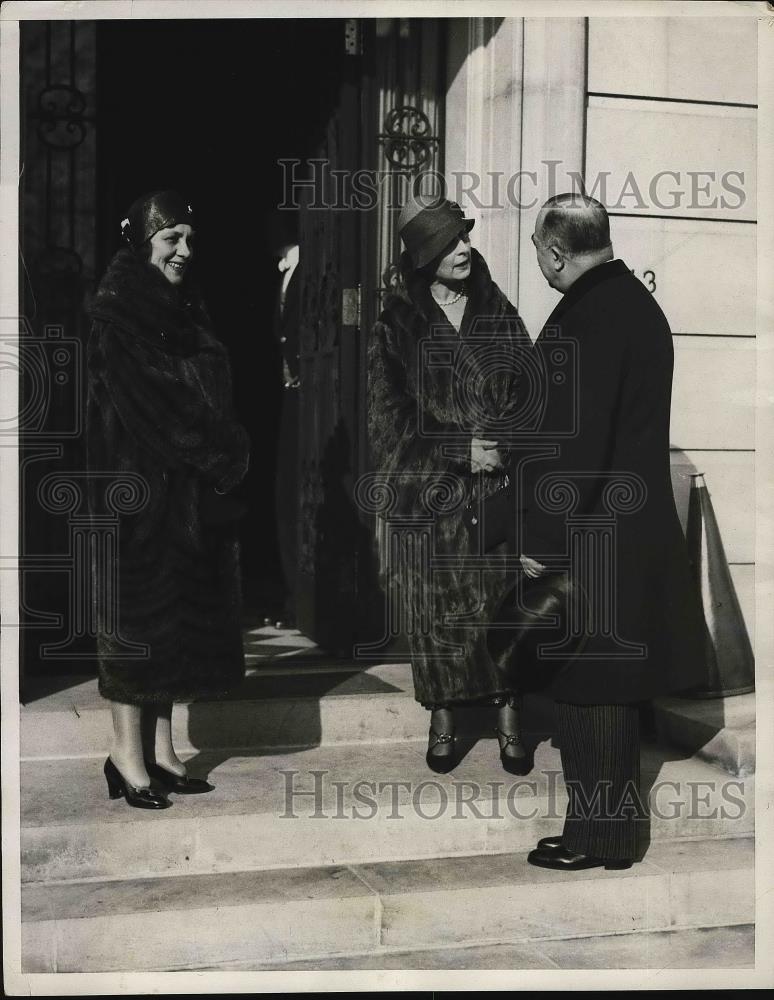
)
(597, 498)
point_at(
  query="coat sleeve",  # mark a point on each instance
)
(624, 405)
(164, 414)
(510, 390)
(394, 418)
(612, 413)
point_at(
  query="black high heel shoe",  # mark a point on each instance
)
(178, 783)
(140, 798)
(513, 765)
(446, 763)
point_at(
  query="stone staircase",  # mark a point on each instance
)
(327, 842)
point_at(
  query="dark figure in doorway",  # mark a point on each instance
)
(286, 332)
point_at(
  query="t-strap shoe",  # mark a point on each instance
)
(512, 763)
(440, 763)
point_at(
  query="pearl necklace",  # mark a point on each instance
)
(449, 302)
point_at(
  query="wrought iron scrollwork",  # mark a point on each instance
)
(61, 117)
(408, 139)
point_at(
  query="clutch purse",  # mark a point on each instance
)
(535, 612)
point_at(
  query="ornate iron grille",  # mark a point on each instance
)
(407, 141)
(410, 70)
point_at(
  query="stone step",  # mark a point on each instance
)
(184, 922)
(728, 947)
(720, 730)
(291, 707)
(70, 830)
(302, 703)
(294, 696)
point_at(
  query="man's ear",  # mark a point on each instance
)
(557, 258)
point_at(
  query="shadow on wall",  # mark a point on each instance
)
(730, 658)
(682, 469)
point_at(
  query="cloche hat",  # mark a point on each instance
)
(426, 226)
(152, 212)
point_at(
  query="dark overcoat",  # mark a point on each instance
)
(429, 391)
(160, 408)
(608, 420)
(287, 322)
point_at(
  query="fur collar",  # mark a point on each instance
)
(134, 296)
(412, 302)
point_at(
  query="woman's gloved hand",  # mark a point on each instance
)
(484, 456)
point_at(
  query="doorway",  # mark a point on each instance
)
(209, 107)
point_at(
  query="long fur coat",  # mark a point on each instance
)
(160, 406)
(430, 390)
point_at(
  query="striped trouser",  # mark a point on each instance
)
(600, 747)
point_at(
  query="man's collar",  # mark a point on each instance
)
(589, 279)
(289, 261)
(599, 272)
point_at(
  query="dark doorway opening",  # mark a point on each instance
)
(209, 108)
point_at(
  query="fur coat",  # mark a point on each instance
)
(430, 390)
(159, 406)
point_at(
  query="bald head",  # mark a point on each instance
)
(572, 235)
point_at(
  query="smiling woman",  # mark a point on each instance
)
(171, 250)
(160, 409)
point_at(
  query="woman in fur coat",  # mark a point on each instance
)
(160, 409)
(443, 382)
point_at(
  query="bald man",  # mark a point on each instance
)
(606, 423)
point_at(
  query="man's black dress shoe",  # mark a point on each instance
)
(178, 783)
(549, 843)
(560, 859)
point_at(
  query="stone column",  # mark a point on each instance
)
(515, 123)
(552, 152)
(483, 134)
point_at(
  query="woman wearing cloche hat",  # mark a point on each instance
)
(160, 415)
(433, 421)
